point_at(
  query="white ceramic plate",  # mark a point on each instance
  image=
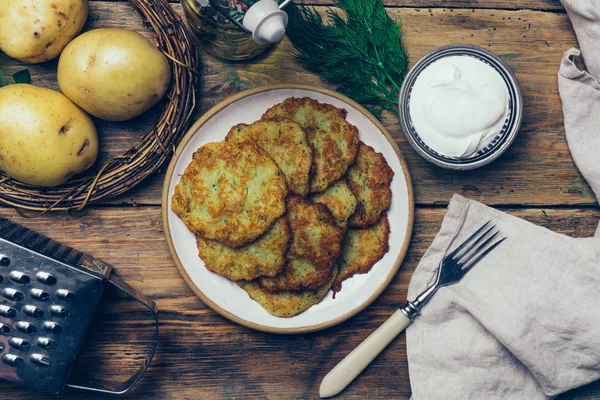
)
(223, 295)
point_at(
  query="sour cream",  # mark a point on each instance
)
(458, 105)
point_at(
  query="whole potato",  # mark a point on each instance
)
(44, 138)
(113, 74)
(35, 31)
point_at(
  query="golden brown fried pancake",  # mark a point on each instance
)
(299, 274)
(263, 257)
(285, 142)
(369, 179)
(339, 200)
(333, 139)
(230, 193)
(316, 243)
(362, 248)
(287, 303)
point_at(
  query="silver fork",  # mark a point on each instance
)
(451, 270)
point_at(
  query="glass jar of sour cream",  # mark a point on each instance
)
(460, 107)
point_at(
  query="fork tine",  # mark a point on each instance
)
(482, 255)
(468, 249)
(475, 248)
(463, 244)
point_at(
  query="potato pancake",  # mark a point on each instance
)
(263, 257)
(362, 248)
(339, 200)
(369, 179)
(287, 303)
(316, 243)
(299, 274)
(285, 142)
(334, 140)
(230, 192)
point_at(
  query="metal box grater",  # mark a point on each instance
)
(48, 294)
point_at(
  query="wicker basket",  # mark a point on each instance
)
(128, 169)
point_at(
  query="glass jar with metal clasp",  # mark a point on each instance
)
(236, 29)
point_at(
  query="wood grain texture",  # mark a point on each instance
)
(536, 170)
(201, 355)
(538, 5)
(204, 356)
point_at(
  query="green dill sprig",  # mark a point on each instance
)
(361, 53)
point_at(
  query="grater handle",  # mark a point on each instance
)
(112, 387)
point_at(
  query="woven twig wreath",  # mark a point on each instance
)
(128, 169)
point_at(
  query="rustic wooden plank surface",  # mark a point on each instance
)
(204, 356)
(538, 5)
(537, 169)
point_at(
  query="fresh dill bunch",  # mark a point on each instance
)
(361, 52)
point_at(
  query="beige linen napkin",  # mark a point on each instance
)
(580, 91)
(525, 322)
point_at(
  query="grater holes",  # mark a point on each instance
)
(64, 294)
(19, 344)
(1, 279)
(46, 278)
(59, 311)
(4, 329)
(46, 343)
(7, 312)
(12, 294)
(52, 327)
(33, 311)
(4, 261)
(26, 327)
(39, 359)
(1, 346)
(19, 277)
(12, 360)
(39, 294)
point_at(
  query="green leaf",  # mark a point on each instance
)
(357, 49)
(22, 76)
(2, 79)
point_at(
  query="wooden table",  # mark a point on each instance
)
(201, 355)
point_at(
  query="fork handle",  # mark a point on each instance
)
(354, 363)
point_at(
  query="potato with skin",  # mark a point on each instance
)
(35, 31)
(113, 74)
(44, 138)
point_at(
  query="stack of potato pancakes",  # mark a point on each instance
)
(289, 206)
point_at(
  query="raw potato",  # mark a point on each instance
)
(113, 74)
(35, 31)
(44, 138)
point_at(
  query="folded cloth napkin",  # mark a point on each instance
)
(580, 91)
(525, 322)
